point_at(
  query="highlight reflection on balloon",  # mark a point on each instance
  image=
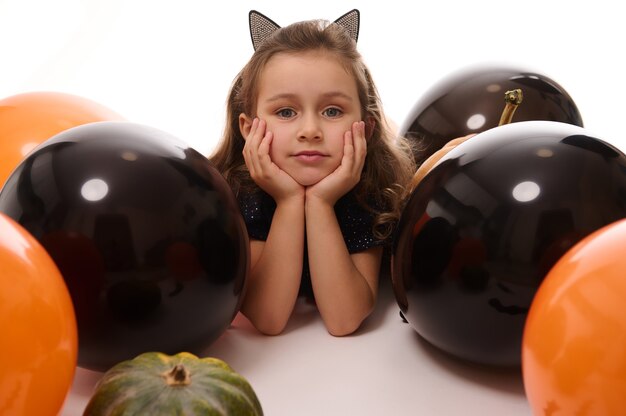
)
(38, 346)
(574, 345)
(484, 226)
(471, 100)
(29, 119)
(146, 232)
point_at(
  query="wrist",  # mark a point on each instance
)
(315, 197)
(296, 199)
(313, 202)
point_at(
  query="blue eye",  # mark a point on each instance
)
(332, 112)
(285, 113)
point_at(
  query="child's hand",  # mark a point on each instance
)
(264, 172)
(348, 174)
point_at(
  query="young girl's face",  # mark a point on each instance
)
(309, 102)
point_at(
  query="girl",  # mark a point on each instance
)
(317, 172)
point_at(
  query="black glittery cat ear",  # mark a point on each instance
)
(350, 21)
(261, 27)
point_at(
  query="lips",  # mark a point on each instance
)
(309, 156)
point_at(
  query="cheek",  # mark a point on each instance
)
(279, 146)
(274, 154)
(337, 139)
(338, 132)
(281, 137)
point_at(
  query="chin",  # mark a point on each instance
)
(308, 181)
(309, 177)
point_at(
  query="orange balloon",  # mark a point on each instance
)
(574, 344)
(38, 341)
(28, 119)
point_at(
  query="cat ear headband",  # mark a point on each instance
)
(262, 27)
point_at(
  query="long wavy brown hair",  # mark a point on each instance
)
(389, 164)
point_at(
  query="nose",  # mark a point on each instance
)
(309, 128)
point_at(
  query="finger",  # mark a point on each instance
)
(253, 127)
(257, 131)
(248, 139)
(264, 149)
(347, 161)
(250, 151)
(360, 145)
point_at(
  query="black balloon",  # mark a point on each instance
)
(471, 100)
(482, 229)
(146, 233)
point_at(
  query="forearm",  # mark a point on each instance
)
(276, 270)
(345, 295)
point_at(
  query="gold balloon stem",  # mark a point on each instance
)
(512, 99)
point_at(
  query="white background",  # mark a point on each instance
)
(169, 64)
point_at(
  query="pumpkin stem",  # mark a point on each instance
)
(512, 99)
(177, 376)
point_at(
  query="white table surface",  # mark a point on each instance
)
(383, 369)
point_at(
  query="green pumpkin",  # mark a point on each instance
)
(157, 384)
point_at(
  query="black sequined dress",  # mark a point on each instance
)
(354, 221)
